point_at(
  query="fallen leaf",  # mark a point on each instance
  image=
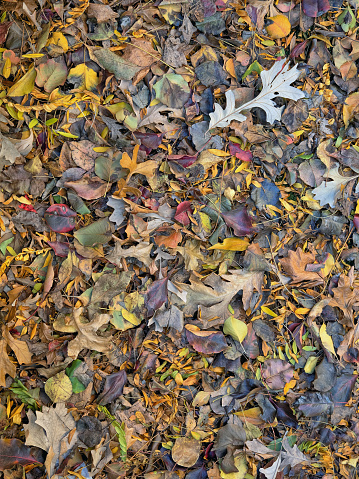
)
(326, 339)
(59, 387)
(278, 26)
(206, 342)
(13, 451)
(185, 451)
(235, 328)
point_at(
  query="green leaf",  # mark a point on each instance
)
(33, 123)
(119, 430)
(77, 203)
(254, 67)
(347, 19)
(77, 385)
(51, 121)
(98, 232)
(25, 395)
(235, 328)
(4, 245)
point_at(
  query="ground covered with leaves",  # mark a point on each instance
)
(179, 249)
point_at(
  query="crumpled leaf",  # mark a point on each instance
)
(329, 191)
(276, 82)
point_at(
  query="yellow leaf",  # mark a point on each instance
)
(23, 86)
(302, 310)
(7, 68)
(83, 77)
(59, 39)
(216, 152)
(130, 317)
(290, 385)
(268, 311)
(326, 339)
(235, 328)
(279, 27)
(232, 244)
(328, 265)
(310, 364)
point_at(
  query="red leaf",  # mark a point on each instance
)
(13, 451)
(240, 221)
(156, 295)
(27, 207)
(315, 8)
(183, 160)
(60, 218)
(236, 151)
(181, 212)
(298, 49)
(356, 222)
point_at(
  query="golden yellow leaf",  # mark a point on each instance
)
(23, 86)
(216, 152)
(279, 27)
(232, 244)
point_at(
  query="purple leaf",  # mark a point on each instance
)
(284, 413)
(114, 384)
(156, 295)
(206, 342)
(240, 221)
(149, 141)
(315, 8)
(183, 160)
(13, 451)
(343, 388)
(60, 249)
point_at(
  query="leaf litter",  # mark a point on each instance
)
(179, 234)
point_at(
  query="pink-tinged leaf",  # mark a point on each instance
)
(114, 384)
(60, 249)
(356, 222)
(276, 373)
(149, 141)
(285, 6)
(183, 160)
(13, 451)
(298, 49)
(89, 188)
(27, 207)
(240, 221)
(250, 344)
(315, 8)
(205, 342)
(242, 155)
(182, 212)
(156, 295)
(60, 218)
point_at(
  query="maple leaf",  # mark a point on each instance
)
(295, 263)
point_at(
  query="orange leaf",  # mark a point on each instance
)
(279, 27)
